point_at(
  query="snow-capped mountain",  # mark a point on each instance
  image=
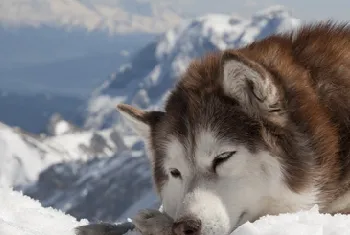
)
(124, 17)
(145, 81)
(101, 189)
(23, 155)
(58, 126)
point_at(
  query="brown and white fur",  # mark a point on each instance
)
(263, 129)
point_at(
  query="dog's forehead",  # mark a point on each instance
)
(186, 130)
(205, 145)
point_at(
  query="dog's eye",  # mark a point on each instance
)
(175, 173)
(222, 158)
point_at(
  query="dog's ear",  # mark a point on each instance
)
(140, 121)
(251, 85)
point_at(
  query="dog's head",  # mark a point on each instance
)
(215, 161)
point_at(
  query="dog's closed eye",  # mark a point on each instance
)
(220, 159)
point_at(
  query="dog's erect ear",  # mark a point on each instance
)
(140, 121)
(251, 84)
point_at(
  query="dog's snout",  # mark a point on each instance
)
(187, 226)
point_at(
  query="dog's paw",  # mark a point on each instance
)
(153, 222)
(104, 229)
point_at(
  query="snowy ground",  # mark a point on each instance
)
(301, 223)
(20, 215)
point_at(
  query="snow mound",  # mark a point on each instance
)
(22, 215)
(302, 223)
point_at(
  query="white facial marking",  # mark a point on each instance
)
(209, 208)
(247, 184)
(175, 158)
(209, 147)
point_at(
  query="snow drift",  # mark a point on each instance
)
(21, 215)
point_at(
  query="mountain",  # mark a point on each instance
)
(100, 189)
(24, 156)
(146, 79)
(114, 188)
(57, 125)
(123, 17)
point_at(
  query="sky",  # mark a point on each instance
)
(302, 9)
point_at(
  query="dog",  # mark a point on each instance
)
(253, 131)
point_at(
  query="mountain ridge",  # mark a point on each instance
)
(145, 83)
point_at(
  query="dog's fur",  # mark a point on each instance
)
(262, 129)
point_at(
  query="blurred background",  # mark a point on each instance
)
(65, 64)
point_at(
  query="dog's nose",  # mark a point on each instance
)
(187, 226)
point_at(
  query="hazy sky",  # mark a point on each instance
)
(303, 9)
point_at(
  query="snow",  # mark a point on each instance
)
(301, 223)
(21, 215)
(70, 143)
(24, 156)
(61, 127)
